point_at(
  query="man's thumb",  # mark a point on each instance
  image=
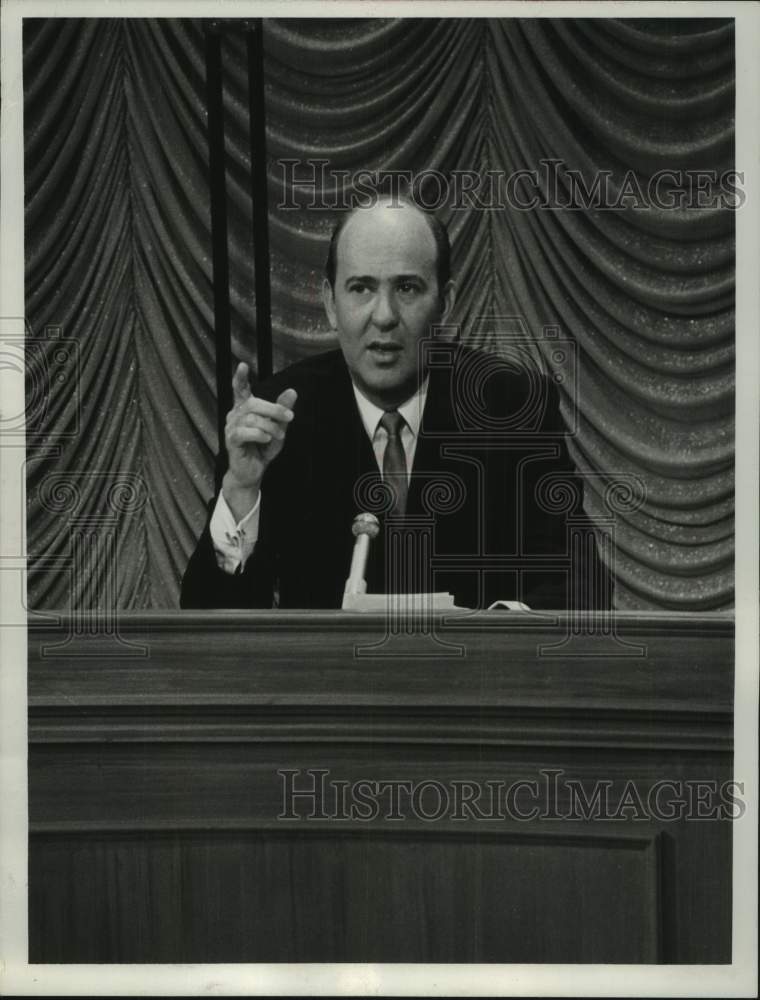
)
(288, 398)
(241, 389)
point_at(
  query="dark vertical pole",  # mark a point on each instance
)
(220, 258)
(259, 199)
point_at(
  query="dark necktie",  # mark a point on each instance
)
(394, 459)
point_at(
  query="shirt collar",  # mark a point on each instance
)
(411, 410)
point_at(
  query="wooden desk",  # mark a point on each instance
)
(155, 793)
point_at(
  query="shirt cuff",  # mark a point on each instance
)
(233, 542)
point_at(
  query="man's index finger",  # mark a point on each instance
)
(241, 389)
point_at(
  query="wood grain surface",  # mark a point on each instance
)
(158, 744)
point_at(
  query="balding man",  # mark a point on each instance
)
(303, 450)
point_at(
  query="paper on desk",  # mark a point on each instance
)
(398, 602)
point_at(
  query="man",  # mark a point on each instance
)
(444, 428)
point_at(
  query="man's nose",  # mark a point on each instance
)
(385, 311)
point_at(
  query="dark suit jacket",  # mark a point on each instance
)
(489, 435)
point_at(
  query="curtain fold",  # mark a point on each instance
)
(628, 302)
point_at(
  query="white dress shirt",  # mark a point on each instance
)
(234, 541)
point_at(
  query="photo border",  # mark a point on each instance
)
(737, 979)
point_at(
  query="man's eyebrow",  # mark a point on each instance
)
(366, 278)
(370, 279)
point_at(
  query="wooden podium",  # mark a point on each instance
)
(280, 787)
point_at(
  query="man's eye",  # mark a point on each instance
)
(358, 287)
(408, 287)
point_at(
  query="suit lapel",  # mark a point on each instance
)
(437, 427)
(346, 448)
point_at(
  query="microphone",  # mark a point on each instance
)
(364, 528)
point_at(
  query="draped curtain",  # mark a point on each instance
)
(629, 306)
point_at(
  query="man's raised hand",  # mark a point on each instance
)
(254, 435)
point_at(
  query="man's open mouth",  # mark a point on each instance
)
(384, 350)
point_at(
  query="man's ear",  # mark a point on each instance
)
(448, 298)
(328, 300)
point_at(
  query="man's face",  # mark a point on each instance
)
(385, 299)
